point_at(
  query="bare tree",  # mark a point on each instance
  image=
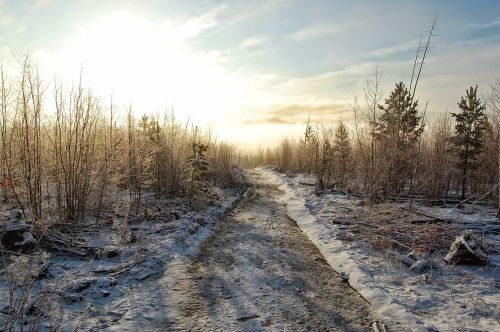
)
(493, 100)
(29, 105)
(74, 137)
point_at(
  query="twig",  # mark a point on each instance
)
(392, 240)
(426, 215)
(464, 201)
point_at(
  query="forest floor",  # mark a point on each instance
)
(357, 240)
(274, 256)
(257, 272)
(234, 266)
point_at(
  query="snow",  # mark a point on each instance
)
(444, 298)
(88, 292)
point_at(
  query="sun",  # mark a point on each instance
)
(145, 63)
(153, 66)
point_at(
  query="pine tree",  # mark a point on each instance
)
(397, 130)
(468, 139)
(342, 150)
(310, 150)
(197, 167)
(326, 165)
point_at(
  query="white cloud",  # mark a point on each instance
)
(198, 24)
(316, 31)
(390, 50)
(253, 41)
(485, 25)
(10, 25)
(39, 4)
(246, 9)
(151, 65)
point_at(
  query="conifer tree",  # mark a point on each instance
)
(468, 139)
(397, 130)
(342, 150)
(197, 167)
(326, 165)
(310, 149)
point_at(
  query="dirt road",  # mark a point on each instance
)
(258, 272)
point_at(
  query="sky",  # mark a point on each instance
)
(253, 71)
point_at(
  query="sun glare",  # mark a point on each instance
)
(149, 65)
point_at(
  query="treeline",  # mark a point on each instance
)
(66, 155)
(392, 151)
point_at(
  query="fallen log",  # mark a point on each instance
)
(447, 221)
(429, 221)
(378, 326)
(467, 249)
(410, 260)
(464, 201)
(421, 264)
(406, 260)
(67, 249)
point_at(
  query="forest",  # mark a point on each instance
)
(391, 152)
(117, 218)
(66, 154)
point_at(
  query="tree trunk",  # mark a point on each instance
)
(464, 174)
(498, 212)
(464, 180)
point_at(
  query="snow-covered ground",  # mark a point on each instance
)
(444, 297)
(258, 272)
(115, 289)
(72, 293)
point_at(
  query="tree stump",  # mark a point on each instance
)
(16, 235)
(466, 249)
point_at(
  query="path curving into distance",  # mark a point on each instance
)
(257, 272)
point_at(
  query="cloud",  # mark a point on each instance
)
(39, 4)
(248, 9)
(316, 31)
(394, 49)
(340, 84)
(485, 25)
(253, 41)
(198, 24)
(299, 113)
(10, 24)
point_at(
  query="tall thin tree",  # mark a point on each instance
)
(470, 124)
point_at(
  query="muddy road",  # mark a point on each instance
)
(257, 272)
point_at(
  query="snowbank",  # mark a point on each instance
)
(408, 305)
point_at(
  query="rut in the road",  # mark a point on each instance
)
(260, 272)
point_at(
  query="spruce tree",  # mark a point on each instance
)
(309, 148)
(399, 120)
(194, 176)
(326, 165)
(468, 139)
(397, 130)
(342, 150)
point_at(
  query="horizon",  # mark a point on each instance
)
(253, 73)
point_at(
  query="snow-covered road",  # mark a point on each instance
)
(257, 271)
